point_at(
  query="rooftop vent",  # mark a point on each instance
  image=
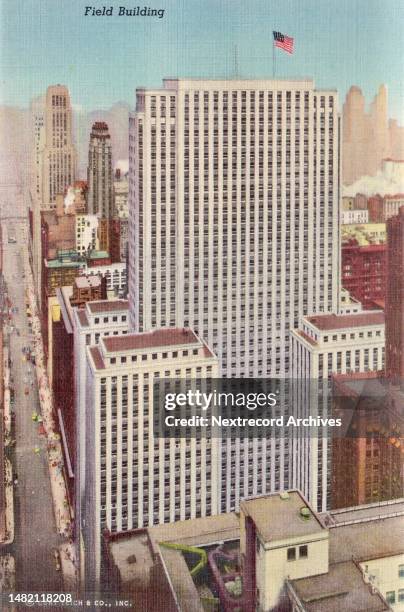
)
(131, 559)
(305, 513)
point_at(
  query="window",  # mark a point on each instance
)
(303, 552)
(391, 597)
(291, 554)
(400, 594)
(96, 320)
(401, 571)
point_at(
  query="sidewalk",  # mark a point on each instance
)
(54, 447)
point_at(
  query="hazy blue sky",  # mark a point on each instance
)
(103, 59)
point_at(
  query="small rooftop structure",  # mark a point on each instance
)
(281, 516)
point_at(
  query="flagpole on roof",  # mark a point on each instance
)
(273, 58)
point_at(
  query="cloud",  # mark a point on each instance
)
(388, 181)
(123, 165)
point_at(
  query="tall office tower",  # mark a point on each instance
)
(99, 172)
(59, 154)
(37, 111)
(132, 478)
(234, 214)
(234, 232)
(56, 159)
(356, 127)
(395, 299)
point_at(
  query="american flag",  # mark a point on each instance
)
(283, 42)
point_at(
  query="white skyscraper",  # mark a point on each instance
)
(234, 231)
(234, 214)
(59, 154)
(132, 477)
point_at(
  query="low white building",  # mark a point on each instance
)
(86, 234)
(323, 345)
(357, 215)
(115, 275)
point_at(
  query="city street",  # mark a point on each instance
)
(35, 529)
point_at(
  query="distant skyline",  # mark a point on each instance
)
(103, 59)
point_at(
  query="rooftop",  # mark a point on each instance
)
(98, 255)
(279, 517)
(97, 358)
(63, 263)
(86, 282)
(342, 588)
(170, 336)
(81, 314)
(106, 306)
(332, 321)
(351, 541)
(397, 196)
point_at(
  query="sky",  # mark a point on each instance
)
(103, 59)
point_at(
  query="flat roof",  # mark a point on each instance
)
(332, 321)
(98, 255)
(107, 306)
(97, 358)
(57, 263)
(278, 517)
(342, 588)
(82, 317)
(86, 282)
(365, 541)
(170, 336)
(133, 552)
(369, 512)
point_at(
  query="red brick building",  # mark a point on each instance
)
(381, 209)
(364, 271)
(367, 462)
(395, 299)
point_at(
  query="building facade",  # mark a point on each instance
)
(86, 234)
(59, 153)
(55, 162)
(90, 324)
(357, 215)
(132, 478)
(395, 299)
(99, 176)
(367, 463)
(324, 345)
(234, 214)
(364, 270)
